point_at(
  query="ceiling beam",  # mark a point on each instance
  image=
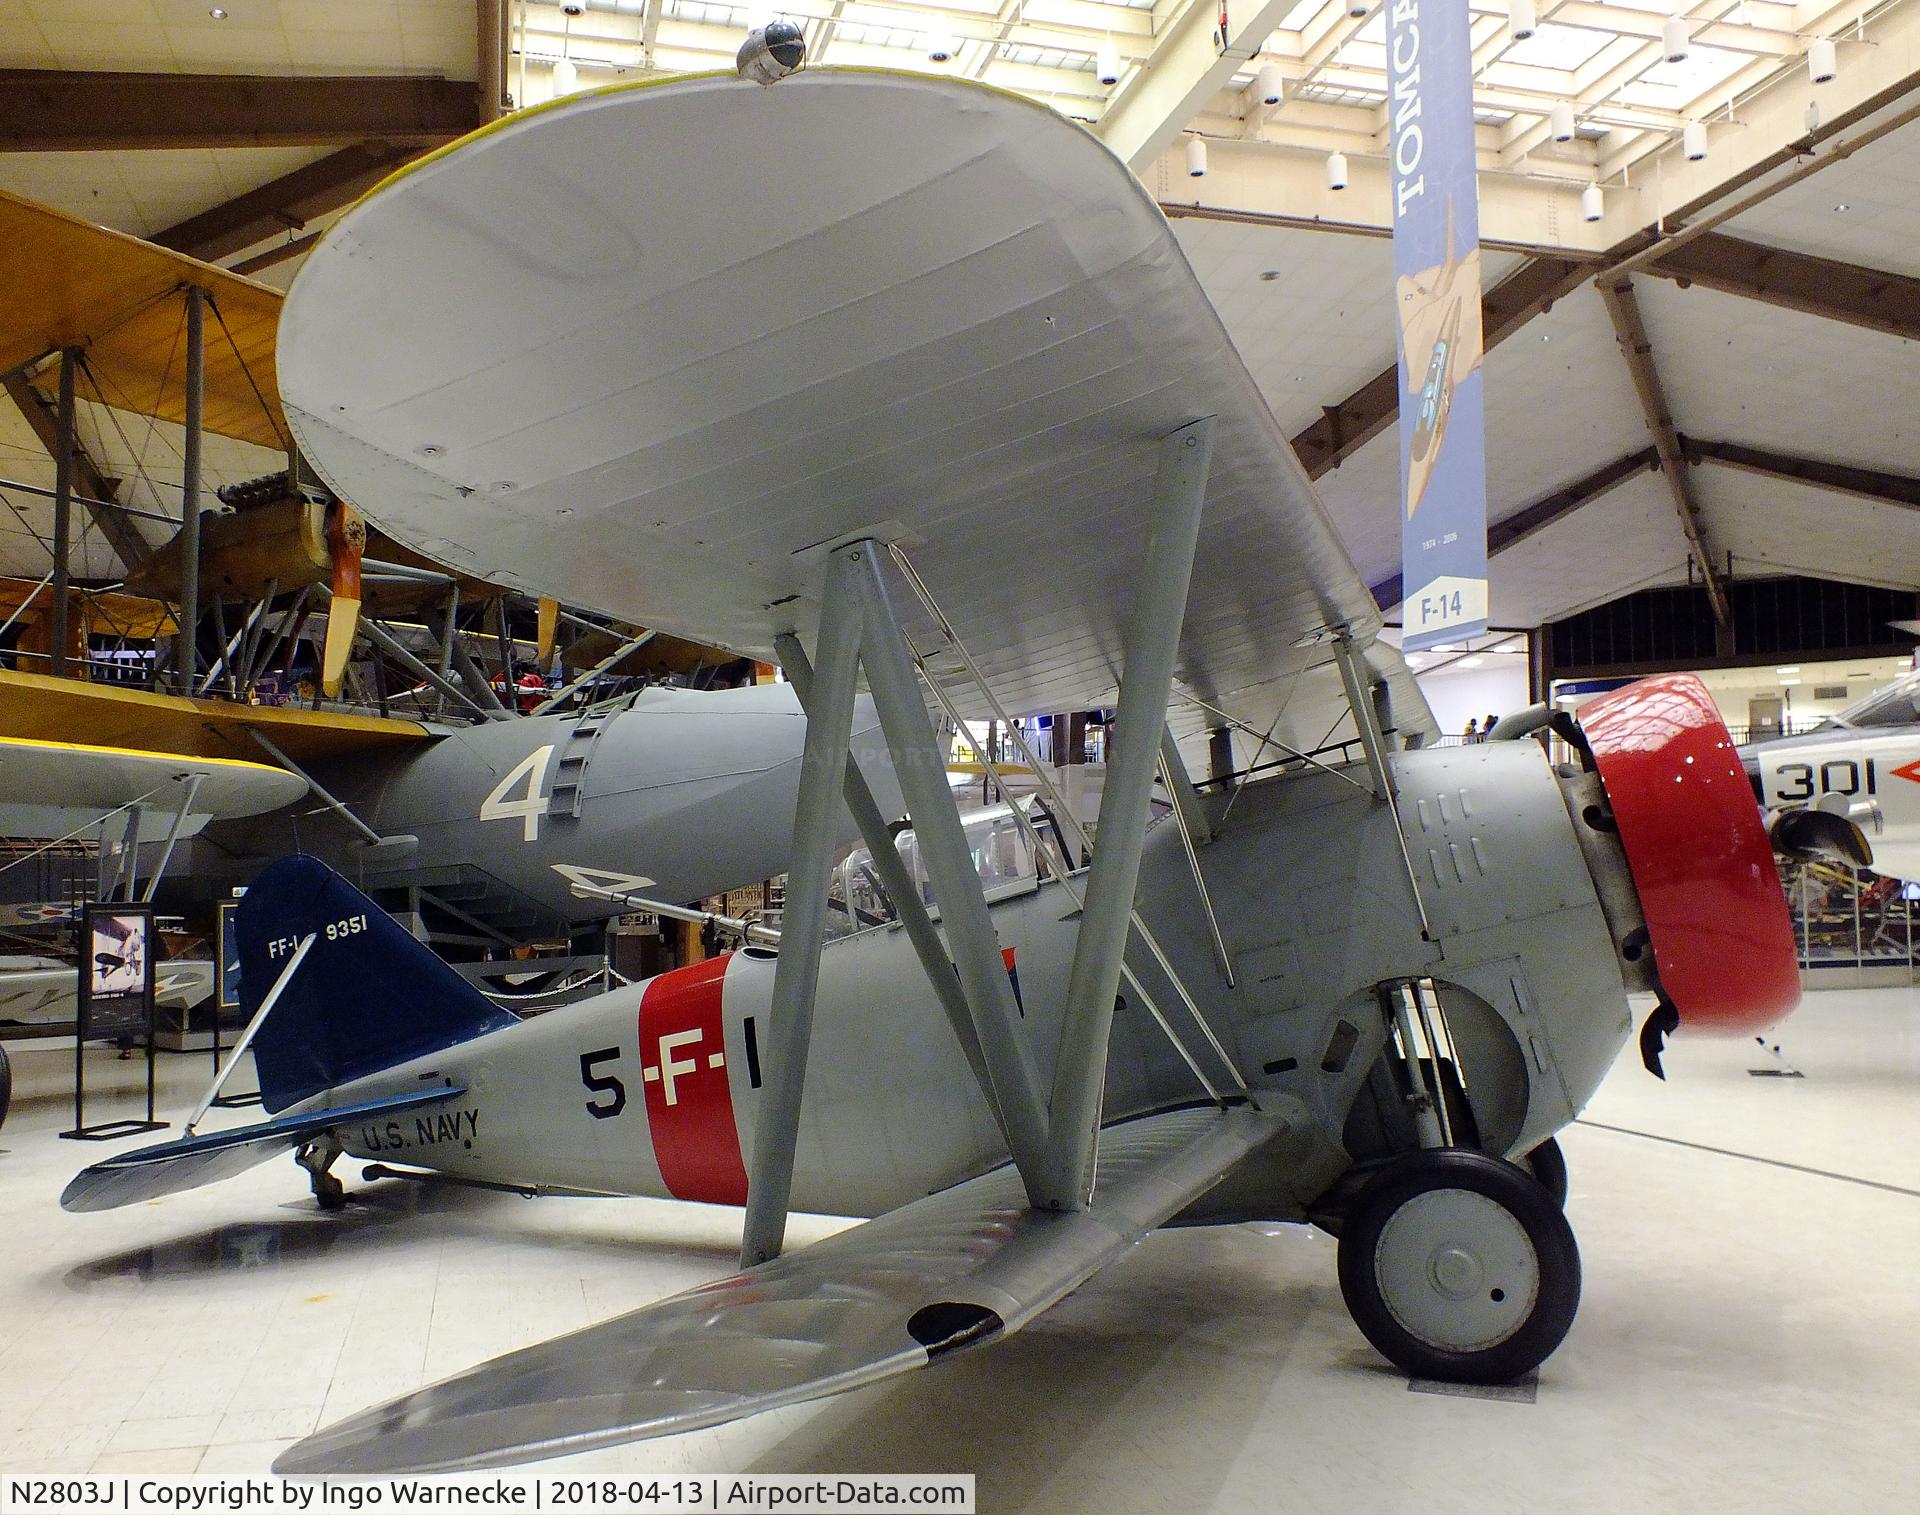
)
(93, 488)
(1631, 331)
(1840, 478)
(280, 252)
(1345, 428)
(287, 203)
(1183, 72)
(1825, 287)
(53, 110)
(1529, 520)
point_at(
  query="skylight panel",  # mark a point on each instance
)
(1045, 57)
(1674, 85)
(1559, 47)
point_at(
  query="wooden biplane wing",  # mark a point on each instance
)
(730, 327)
(957, 1269)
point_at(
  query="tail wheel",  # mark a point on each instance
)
(1548, 1163)
(1459, 1266)
(6, 1085)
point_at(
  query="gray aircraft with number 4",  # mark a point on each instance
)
(906, 378)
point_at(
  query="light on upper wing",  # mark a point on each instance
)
(771, 52)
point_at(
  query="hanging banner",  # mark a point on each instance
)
(1436, 265)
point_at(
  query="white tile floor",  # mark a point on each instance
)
(1749, 1338)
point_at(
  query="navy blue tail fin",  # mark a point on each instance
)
(367, 997)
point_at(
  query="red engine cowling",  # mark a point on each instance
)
(1722, 938)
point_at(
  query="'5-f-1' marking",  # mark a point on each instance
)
(664, 1070)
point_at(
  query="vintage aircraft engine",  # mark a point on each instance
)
(1445, 998)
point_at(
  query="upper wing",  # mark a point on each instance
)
(730, 326)
(73, 284)
(955, 1269)
(51, 789)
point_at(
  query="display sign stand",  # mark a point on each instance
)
(115, 1003)
(226, 995)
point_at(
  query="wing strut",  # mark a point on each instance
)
(1065, 872)
(1367, 721)
(858, 628)
(901, 886)
(1052, 1140)
(1133, 751)
(823, 767)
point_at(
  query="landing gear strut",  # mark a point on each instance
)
(317, 1157)
(1458, 1266)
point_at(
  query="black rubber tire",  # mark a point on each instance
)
(1548, 1163)
(329, 1192)
(1513, 1190)
(6, 1083)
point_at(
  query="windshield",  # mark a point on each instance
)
(1898, 704)
(1002, 857)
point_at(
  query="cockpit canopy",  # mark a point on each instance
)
(1895, 704)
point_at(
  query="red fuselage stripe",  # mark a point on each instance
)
(689, 1096)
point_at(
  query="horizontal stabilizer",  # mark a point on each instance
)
(953, 1270)
(176, 1166)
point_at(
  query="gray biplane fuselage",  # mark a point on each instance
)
(652, 1089)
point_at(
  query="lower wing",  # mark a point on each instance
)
(953, 1270)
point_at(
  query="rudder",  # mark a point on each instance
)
(367, 997)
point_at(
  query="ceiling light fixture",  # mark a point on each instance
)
(1106, 62)
(941, 46)
(1560, 121)
(1674, 36)
(1522, 20)
(566, 77)
(1336, 170)
(1843, 207)
(217, 13)
(1693, 140)
(1593, 204)
(1272, 84)
(1196, 158)
(1823, 63)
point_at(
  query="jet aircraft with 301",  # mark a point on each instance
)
(906, 378)
(1851, 786)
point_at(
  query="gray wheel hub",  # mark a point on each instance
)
(1456, 1269)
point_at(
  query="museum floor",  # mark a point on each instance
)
(1749, 1337)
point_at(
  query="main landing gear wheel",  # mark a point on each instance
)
(1548, 1163)
(1459, 1266)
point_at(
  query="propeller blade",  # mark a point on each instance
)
(549, 631)
(1820, 833)
(346, 542)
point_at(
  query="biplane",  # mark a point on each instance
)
(904, 381)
